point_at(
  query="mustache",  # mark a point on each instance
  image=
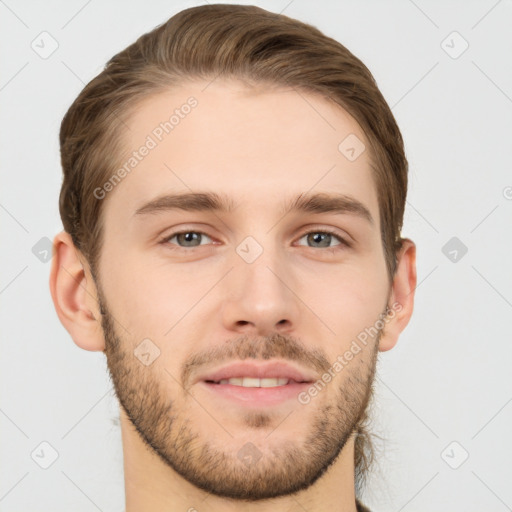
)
(275, 346)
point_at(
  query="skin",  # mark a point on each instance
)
(298, 299)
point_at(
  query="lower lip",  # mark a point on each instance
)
(256, 397)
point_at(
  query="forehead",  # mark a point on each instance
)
(259, 146)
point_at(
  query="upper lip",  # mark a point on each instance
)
(267, 370)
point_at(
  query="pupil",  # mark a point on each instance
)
(189, 236)
(320, 237)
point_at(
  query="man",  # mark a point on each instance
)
(234, 189)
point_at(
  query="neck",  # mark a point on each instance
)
(151, 485)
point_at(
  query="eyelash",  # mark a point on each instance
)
(343, 243)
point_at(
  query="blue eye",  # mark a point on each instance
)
(189, 238)
(325, 238)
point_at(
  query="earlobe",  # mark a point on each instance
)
(74, 295)
(401, 301)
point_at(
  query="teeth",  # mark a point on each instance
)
(248, 382)
(271, 383)
(251, 382)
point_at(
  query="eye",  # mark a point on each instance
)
(324, 239)
(320, 239)
(187, 238)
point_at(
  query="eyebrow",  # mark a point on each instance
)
(317, 203)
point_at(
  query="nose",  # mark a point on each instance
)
(259, 298)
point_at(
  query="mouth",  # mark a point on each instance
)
(252, 374)
(252, 382)
(256, 385)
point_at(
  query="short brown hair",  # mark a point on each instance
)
(231, 41)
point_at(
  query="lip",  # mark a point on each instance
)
(253, 398)
(268, 370)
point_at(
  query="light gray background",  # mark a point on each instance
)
(447, 380)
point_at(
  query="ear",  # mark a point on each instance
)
(401, 298)
(74, 294)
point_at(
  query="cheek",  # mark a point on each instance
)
(347, 297)
(151, 297)
(155, 299)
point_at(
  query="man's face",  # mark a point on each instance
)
(247, 285)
